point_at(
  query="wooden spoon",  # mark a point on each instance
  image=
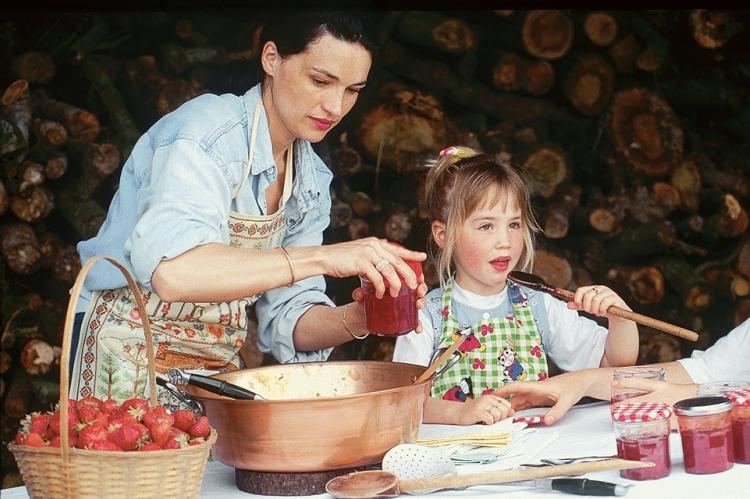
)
(535, 282)
(442, 358)
(378, 483)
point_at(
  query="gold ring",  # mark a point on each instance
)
(381, 264)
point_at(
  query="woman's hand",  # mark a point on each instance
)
(657, 391)
(486, 409)
(378, 261)
(561, 392)
(358, 295)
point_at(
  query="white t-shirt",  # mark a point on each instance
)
(573, 341)
(726, 360)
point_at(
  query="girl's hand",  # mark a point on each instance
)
(487, 409)
(596, 300)
(377, 260)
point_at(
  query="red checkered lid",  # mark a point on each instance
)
(529, 420)
(641, 412)
(740, 396)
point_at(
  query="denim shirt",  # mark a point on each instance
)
(175, 193)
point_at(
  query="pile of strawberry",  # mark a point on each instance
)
(108, 426)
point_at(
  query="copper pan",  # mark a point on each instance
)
(318, 416)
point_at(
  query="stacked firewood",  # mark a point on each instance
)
(631, 129)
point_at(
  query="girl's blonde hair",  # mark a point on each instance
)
(462, 180)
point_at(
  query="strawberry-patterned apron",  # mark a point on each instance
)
(498, 350)
(110, 361)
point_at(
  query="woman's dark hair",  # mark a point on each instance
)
(292, 32)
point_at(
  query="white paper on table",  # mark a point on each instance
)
(526, 444)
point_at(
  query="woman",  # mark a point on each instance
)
(223, 203)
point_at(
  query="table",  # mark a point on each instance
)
(585, 430)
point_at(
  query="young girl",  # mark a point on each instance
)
(482, 228)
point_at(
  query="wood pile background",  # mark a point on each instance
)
(632, 128)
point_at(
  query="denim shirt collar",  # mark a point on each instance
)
(305, 187)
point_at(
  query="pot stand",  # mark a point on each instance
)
(290, 484)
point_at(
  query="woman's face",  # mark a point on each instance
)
(308, 93)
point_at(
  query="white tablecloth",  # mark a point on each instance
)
(584, 431)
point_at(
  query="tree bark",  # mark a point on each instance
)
(4, 199)
(84, 216)
(81, 124)
(34, 67)
(555, 219)
(99, 161)
(643, 240)
(16, 101)
(681, 277)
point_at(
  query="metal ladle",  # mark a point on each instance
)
(535, 282)
(415, 469)
(213, 385)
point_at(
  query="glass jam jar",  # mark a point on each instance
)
(740, 423)
(620, 393)
(706, 432)
(642, 434)
(389, 315)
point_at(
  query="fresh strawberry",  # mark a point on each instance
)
(136, 407)
(91, 435)
(39, 422)
(184, 419)
(149, 447)
(177, 440)
(196, 441)
(160, 427)
(106, 445)
(21, 438)
(111, 408)
(88, 413)
(54, 425)
(152, 413)
(90, 402)
(55, 442)
(201, 428)
(128, 436)
(34, 440)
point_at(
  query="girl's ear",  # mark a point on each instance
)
(270, 58)
(438, 233)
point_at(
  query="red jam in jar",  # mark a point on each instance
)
(706, 433)
(642, 434)
(389, 315)
(740, 424)
(655, 449)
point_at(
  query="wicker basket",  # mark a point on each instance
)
(76, 473)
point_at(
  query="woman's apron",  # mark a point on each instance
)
(498, 350)
(111, 358)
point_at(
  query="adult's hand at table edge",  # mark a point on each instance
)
(658, 391)
(552, 392)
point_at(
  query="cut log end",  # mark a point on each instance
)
(547, 34)
(508, 72)
(600, 28)
(553, 268)
(589, 85)
(713, 29)
(538, 77)
(545, 169)
(454, 36)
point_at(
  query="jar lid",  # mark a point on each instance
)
(702, 406)
(740, 396)
(641, 412)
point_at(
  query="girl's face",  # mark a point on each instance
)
(308, 93)
(488, 245)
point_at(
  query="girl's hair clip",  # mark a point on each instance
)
(457, 151)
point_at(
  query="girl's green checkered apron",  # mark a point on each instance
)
(498, 350)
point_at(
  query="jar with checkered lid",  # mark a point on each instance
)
(706, 434)
(740, 423)
(642, 434)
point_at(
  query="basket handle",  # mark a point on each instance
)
(65, 354)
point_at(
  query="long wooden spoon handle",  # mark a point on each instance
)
(635, 317)
(440, 360)
(489, 477)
